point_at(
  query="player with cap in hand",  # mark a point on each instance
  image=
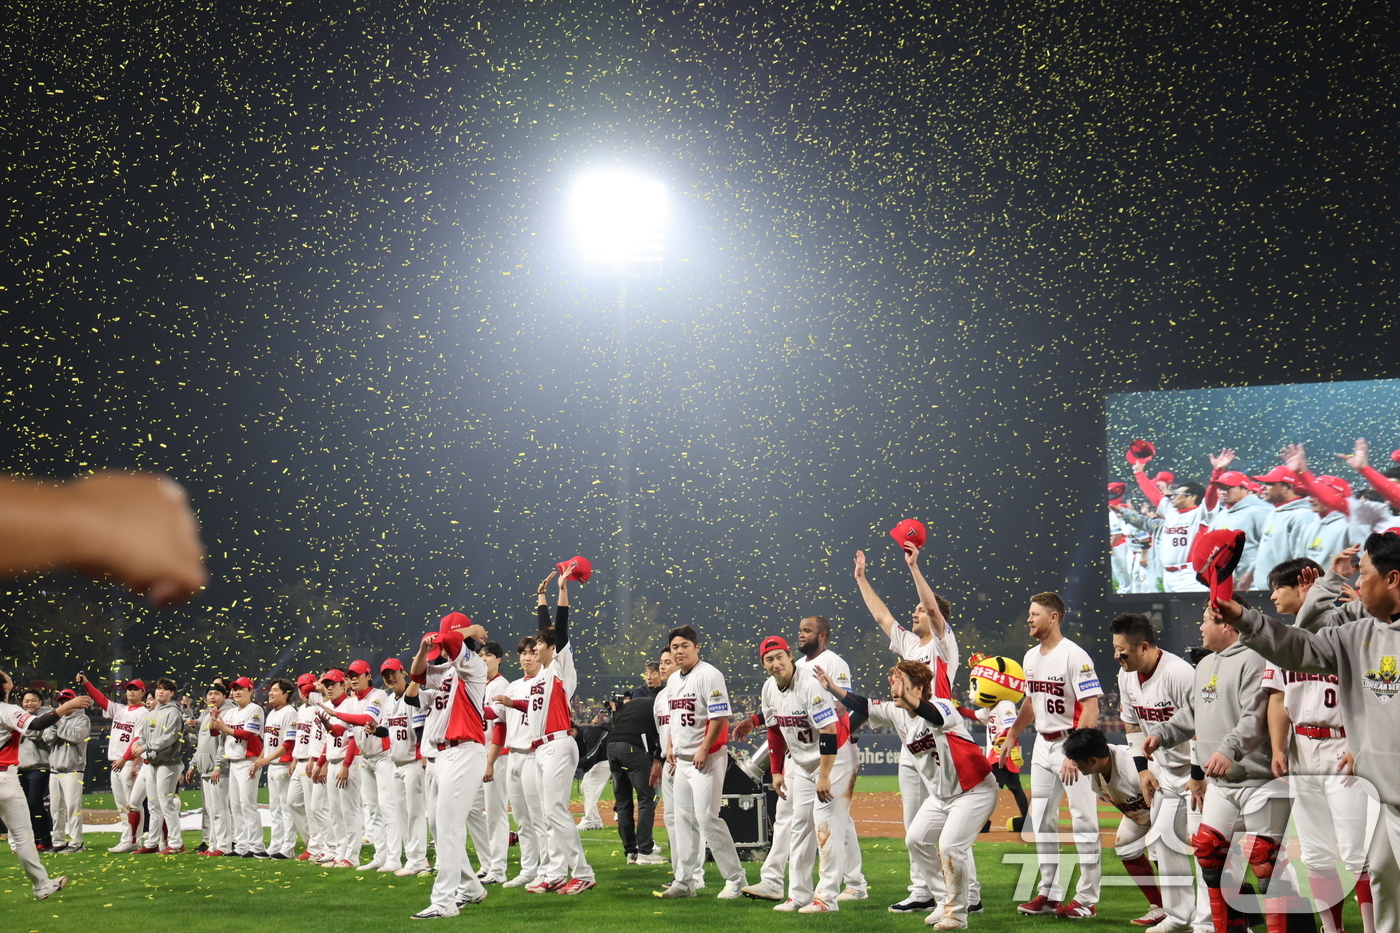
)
(67, 760)
(242, 728)
(14, 807)
(405, 725)
(1232, 505)
(279, 746)
(128, 790)
(345, 836)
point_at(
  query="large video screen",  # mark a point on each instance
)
(1178, 464)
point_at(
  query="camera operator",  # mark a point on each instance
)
(634, 755)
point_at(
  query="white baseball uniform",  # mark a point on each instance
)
(1174, 540)
(522, 790)
(488, 820)
(128, 791)
(306, 799)
(410, 805)
(279, 728)
(377, 781)
(661, 712)
(14, 807)
(242, 747)
(1056, 682)
(347, 814)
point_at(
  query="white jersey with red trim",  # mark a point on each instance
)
(372, 703)
(940, 654)
(1310, 699)
(14, 720)
(1057, 682)
(551, 692)
(835, 666)
(1179, 530)
(1154, 699)
(800, 712)
(517, 721)
(249, 719)
(459, 698)
(311, 732)
(401, 719)
(661, 712)
(126, 722)
(494, 714)
(945, 755)
(997, 719)
(1121, 788)
(279, 726)
(696, 698)
(338, 746)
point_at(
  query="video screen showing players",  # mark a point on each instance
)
(1303, 470)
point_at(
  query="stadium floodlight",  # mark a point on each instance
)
(620, 221)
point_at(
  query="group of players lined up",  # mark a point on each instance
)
(1284, 513)
(1204, 748)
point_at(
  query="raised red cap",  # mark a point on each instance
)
(1214, 555)
(578, 568)
(454, 621)
(1140, 451)
(1117, 489)
(911, 530)
(771, 643)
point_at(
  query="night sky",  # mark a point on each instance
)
(313, 262)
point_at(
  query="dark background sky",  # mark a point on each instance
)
(311, 260)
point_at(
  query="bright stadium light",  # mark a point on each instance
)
(620, 221)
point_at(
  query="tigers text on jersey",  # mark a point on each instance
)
(125, 722)
(279, 727)
(551, 691)
(1155, 699)
(940, 654)
(945, 755)
(311, 732)
(800, 712)
(401, 719)
(1179, 530)
(1311, 699)
(1121, 787)
(249, 719)
(661, 712)
(459, 694)
(1057, 682)
(13, 721)
(695, 699)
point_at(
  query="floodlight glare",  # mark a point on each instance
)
(620, 221)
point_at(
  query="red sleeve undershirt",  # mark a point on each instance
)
(777, 749)
(1387, 487)
(1149, 488)
(98, 696)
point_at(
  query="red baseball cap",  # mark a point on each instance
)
(911, 530)
(67, 694)
(1117, 489)
(772, 643)
(1166, 476)
(138, 684)
(1214, 555)
(1140, 451)
(1337, 483)
(454, 621)
(243, 682)
(333, 675)
(582, 569)
(306, 680)
(1231, 478)
(393, 664)
(359, 667)
(1279, 474)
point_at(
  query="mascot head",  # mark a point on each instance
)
(996, 679)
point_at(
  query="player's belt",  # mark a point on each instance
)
(1321, 732)
(4, 768)
(451, 743)
(1052, 736)
(1175, 569)
(552, 737)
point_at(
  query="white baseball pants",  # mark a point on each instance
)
(410, 809)
(221, 830)
(817, 828)
(306, 802)
(591, 787)
(1047, 790)
(377, 788)
(459, 769)
(699, 793)
(941, 836)
(347, 813)
(488, 821)
(163, 798)
(14, 811)
(128, 793)
(279, 789)
(243, 804)
(913, 790)
(557, 762)
(524, 798)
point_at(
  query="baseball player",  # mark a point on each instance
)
(405, 724)
(279, 747)
(511, 738)
(1234, 507)
(209, 766)
(160, 741)
(549, 722)
(698, 754)
(1115, 773)
(366, 713)
(1359, 642)
(805, 735)
(242, 728)
(661, 709)
(1309, 745)
(14, 808)
(962, 792)
(1228, 718)
(1062, 693)
(307, 795)
(488, 821)
(1182, 518)
(1286, 529)
(346, 826)
(453, 677)
(1152, 685)
(128, 793)
(67, 761)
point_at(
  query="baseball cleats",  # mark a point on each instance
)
(1040, 905)
(53, 885)
(124, 847)
(975, 908)
(211, 852)
(343, 863)
(1073, 910)
(519, 881)
(1170, 926)
(763, 891)
(912, 905)
(788, 906)
(732, 891)
(591, 824)
(817, 906)
(372, 865)
(413, 870)
(651, 858)
(75, 848)
(280, 855)
(436, 913)
(173, 850)
(631, 858)
(490, 878)
(1150, 919)
(466, 899)
(544, 887)
(854, 893)
(387, 867)
(304, 857)
(147, 850)
(61, 847)
(676, 890)
(946, 923)
(578, 886)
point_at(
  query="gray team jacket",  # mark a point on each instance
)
(1228, 713)
(1247, 515)
(1285, 537)
(34, 746)
(160, 735)
(208, 749)
(69, 749)
(1363, 652)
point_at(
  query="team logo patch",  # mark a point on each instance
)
(1384, 683)
(1210, 690)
